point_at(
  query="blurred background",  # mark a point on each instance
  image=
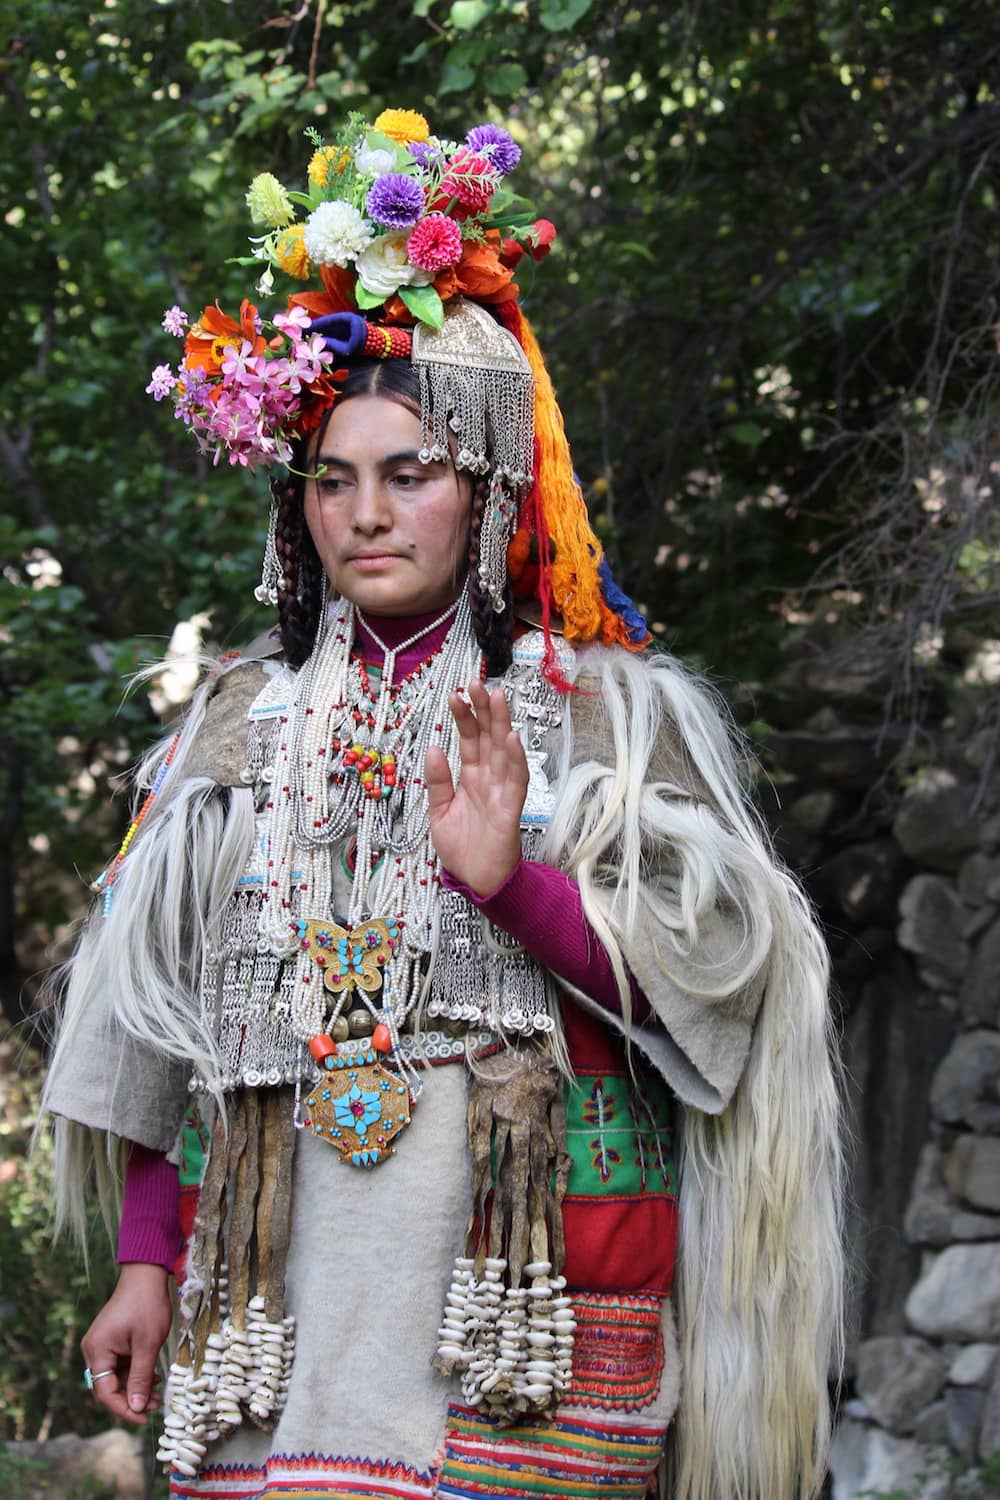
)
(771, 318)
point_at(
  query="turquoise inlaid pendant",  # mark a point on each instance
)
(359, 1106)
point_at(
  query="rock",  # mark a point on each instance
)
(972, 1171)
(843, 757)
(866, 1462)
(981, 991)
(974, 1365)
(965, 1417)
(932, 1215)
(969, 1075)
(897, 1378)
(931, 926)
(975, 875)
(108, 1467)
(959, 1296)
(931, 1425)
(814, 811)
(864, 879)
(989, 1433)
(935, 825)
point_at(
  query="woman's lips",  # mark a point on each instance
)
(370, 562)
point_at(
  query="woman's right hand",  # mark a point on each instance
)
(126, 1338)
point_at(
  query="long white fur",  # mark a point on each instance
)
(167, 903)
(760, 1267)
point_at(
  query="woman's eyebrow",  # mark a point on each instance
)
(409, 455)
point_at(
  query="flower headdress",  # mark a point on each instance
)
(408, 235)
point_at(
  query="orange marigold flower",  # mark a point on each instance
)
(291, 253)
(215, 332)
(403, 125)
(327, 162)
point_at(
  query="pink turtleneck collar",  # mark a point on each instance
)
(392, 629)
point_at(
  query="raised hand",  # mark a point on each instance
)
(476, 825)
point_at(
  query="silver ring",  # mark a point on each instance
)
(90, 1380)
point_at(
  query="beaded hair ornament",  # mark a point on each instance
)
(416, 242)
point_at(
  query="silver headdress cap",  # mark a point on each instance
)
(475, 382)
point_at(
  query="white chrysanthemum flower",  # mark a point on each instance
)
(374, 161)
(383, 267)
(335, 234)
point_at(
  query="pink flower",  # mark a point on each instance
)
(175, 320)
(292, 323)
(436, 242)
(162, 382)
(470, 178)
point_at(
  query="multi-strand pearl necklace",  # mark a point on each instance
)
(319, 798)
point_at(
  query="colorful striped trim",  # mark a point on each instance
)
(307, 1477)
(617, 1351)
(560, 1460)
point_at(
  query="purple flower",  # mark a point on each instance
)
(395, 201)
(161, 383)
(493, 142)
(424, 153)
(175, 320)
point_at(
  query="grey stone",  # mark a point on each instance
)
(972, 1171)
(931, 926)
(984, 1118)
(897, 1378)
(864, 879)
(975, 875)
(931, 1425)
(959, 1295)
(977, 923)
(813, 812)
(989, 1433)
(841, 757)
(935, 825)
(965, 1418)
(974, 1365)
(108, 1467)
(866, 1462)
(981, 991)
(969, 1075)
(990, 834)
(932, 1215)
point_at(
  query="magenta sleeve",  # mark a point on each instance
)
(150, 1228)
(542, 909)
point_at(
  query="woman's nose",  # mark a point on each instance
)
(371, 511)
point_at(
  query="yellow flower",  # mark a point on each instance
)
(403, 125)
(291, 253)
(326, 161)
(268, 202)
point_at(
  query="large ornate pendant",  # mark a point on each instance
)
(359, 1106)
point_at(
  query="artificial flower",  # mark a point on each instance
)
(373, 161)
(480, 274)
(436, 242)
(327, 162)
(268, 202)
(335, 233)
(497, 145)
(175, 320)
(291, 254)
(403, 125)
(162, 382)
(384, 266)
(395, 201)
(470, 178)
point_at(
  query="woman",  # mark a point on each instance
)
(429, 884)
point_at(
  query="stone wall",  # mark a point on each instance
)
(903, 860)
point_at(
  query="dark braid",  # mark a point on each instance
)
(299, 590)
(493, 631)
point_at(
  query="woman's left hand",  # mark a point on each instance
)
(476, 825)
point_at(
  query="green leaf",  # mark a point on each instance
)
(366, 299)
(467, 14)
(505, 78)
(424, 303)
(747, 434)
(456, 77)
(560, 15)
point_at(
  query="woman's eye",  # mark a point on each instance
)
(409, 481)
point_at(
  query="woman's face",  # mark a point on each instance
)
(391, 532)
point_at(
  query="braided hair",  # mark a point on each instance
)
(301, 591)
